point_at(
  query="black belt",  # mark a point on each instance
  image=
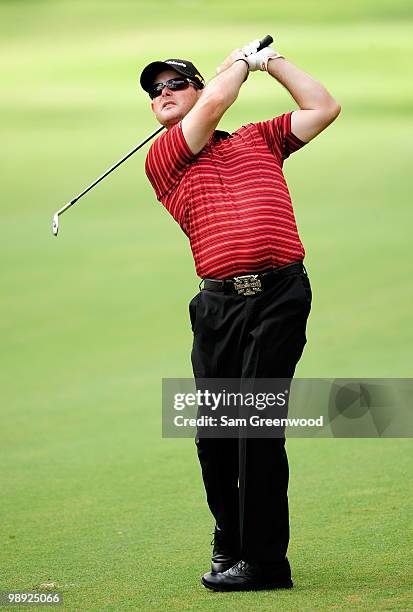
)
(250, 284)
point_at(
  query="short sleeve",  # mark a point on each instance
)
(279, 137)
(167, 160)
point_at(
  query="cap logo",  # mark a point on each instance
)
(177, 63)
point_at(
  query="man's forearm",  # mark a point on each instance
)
(306, 91)
(199, 124)
(225, 86)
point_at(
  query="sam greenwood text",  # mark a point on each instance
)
(253, 421)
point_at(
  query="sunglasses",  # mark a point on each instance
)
(173, 84)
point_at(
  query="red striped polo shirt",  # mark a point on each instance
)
(231, 199)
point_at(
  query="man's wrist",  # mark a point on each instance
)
(274, 57)
(241, 59)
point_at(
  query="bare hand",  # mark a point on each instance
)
(232, 57)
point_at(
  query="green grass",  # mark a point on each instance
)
(93, 499)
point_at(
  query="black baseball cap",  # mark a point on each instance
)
(181, 66)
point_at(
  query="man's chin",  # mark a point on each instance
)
(170, 119)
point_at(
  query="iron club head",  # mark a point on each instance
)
(55, 224)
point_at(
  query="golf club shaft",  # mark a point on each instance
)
(111, 169)
(267, 40)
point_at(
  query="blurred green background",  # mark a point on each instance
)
(94, 502)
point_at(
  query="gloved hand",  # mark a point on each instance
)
(258, 60)
(251, 47)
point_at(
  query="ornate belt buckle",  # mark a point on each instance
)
(249, 284)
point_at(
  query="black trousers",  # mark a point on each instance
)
(259, 336)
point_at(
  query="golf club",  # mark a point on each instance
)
(265, 42)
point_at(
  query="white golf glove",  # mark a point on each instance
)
(251, 47)
(258, 60)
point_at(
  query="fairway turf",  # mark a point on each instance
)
(93, 499)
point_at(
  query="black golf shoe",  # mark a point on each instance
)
(244, 576)
(225, 552)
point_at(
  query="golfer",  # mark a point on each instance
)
(229, 195)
